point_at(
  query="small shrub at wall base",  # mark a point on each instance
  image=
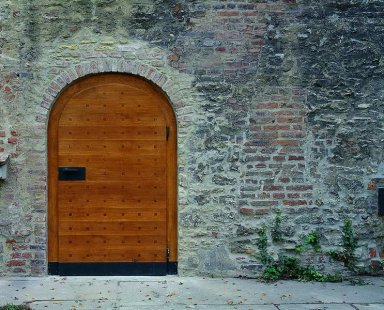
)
(15, 307)
(287, 267)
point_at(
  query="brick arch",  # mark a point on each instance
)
(71, 74)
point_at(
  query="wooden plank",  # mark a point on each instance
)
(93, 254)
(81, 213)
(106, 103)
(129, 228)
(101, 160)
(80, 133)
(111, 119)
(115, 147)
(120, 189)
(114, 241)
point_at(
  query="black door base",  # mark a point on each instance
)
(112, 269)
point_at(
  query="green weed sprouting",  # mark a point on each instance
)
(276, 232)
(350, 242)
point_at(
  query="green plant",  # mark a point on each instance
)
(15, 307)
(262, 245)
(276, 232)
(288, 267)
(312, 239)
(347, 255)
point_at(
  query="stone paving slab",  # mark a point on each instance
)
(316, 307)
(203, 307)
(74, 305)
(369, 307)
(174, 292)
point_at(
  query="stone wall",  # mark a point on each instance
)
(279, 107)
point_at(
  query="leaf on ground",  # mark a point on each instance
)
(170, 294)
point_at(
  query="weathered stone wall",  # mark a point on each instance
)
(279, 106)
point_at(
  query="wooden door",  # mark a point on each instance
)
(112, 179)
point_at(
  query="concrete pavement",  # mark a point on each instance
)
(172, 292)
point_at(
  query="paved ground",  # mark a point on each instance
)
(172, 292)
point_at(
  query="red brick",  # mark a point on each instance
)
(252, 13)
(264, 195)
(258, 42)
(229, 13)
(283, 112)
(293, 195)
(294, 202)
(268, 105)
(247, 211)
(264, 203)
(264, 135)
(273, 188)
(261, 211)
(296, 158)
(7, 89)
(293, 134)
(14, 133)
(221, 49)
(299, 187)
(278, 195)
(13, 263)
(372, 252)
(284, 180)
(286, 142)
(258, 158)
(2, 133)
(12, 140)
(372, 186)
(173, 57)
(290, 119)
(279, 158)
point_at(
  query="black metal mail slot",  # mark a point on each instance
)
(381, 201)
(71, 173)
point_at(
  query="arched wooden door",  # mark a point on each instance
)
(112, 179)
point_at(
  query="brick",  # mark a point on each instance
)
(290, 119)
(286, 142)
(12, 140)
(247, 211)
(13, 263)
(264, 203)
(2, 133)
(272, 188)
(296, 158)
(229, 13)
(279, 158)
(284, 180)
(372, 252)
(293, 195)
(268, 105)
(294, 202)
(292, 134)
(278, 195)
(299, 187)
